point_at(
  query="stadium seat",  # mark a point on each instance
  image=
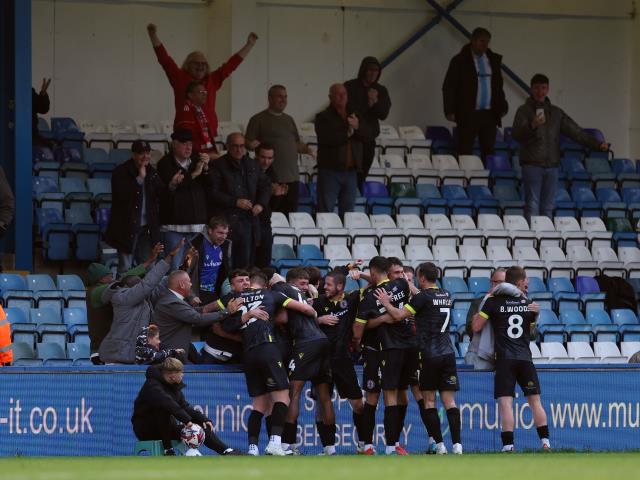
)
(22, 351)
(555, 352)
(12, 281)
(37, 282)
(69, 282)
(77, 350)
(581, 352)
(479, 285)
(46, 351)
(608, 352)
(87, 242)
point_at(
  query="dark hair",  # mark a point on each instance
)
(394, 261)
(257, 276)
(297, 273)
(193, 84)
(515, 274)
(409, 269)
(265, 146)
(273, 88)
(428, 271)
(539, 78)
(268, 271)
(315, 275)
(380, 264)
(338, 277)
(238, 272)
(218, 222)
(479, 32)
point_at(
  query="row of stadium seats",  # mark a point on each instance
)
(50, 354)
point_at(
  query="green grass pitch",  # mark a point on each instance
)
(520, 466)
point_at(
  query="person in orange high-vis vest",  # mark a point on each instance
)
(6, 354)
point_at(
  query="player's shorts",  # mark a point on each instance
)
(371, 376)
(439, 374)
(399, 367)
(264, 370)
(345, 378)
(508, 372)
(310, 362)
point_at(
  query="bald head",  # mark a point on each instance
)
(338, 96)
(180, 282)
(235, 145)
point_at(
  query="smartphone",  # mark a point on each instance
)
(540, 112)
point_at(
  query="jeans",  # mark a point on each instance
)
(139, 253)
(171, 240)
(340, 185)
(540, 187)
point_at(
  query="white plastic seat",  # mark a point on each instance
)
(337, 252)
(581, 352)
(608, 261)
(536, 355)
(382, 221)
(328, 220)
(545, 231)
(419, 161)
(476, 260)
(392, 160)
(446, 256)
(364, 251)
(555, 352)
(466, 227)
(408, 220)
(596, 231)
(437, 221)
(284, 235)
(499, 255)
(301, 220)
(474, 169)
(411, 132)
(608, 352)
(582, 261)
(363, 235)
(515, 222)
(629, 348)
(417, 252)
(528, 258)
(630, 256)
(307, 129)
(279, 219)
(118, 126)
(448, 169)
(556, 261)
(519, 230)
(144, 127)
(226, 128)
(388, 132)
(493, 229)
(571, 232)
(337, 236)
(166, 127)
(392, 250)
(356, 220)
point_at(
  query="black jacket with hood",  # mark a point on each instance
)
(157, 400)
(460, 86)
(358, 101)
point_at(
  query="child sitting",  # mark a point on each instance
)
(148, 347)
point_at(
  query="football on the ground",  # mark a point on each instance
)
(192, 436)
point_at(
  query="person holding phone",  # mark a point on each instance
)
(537, 126)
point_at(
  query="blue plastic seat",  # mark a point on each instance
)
(119, 155)
(22, 350)
(58, 239)
(427, 191)
(69, 282)
(47, 216)
(282, 251)
(498, 163)
(455, 285)
(12, 281)
(65, 155)
(40, 282)
(41, 185)
(374, 190)
(548, 323)
(72, 185)
(87, 242)
(479, 285)
(46, 351)
(102, 218)
(99, 186)
(308, 252)
(77, 351)
(95, 155)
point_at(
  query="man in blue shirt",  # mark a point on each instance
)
(213, 260)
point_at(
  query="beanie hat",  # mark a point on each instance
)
(96, 271)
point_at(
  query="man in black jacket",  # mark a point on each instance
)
(134, 224)
(240, 191)
(161, 411)
(371, 102)
(339, 153)
(473, 94)
(183, 211)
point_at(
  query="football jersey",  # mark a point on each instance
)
(390, 335)
(432, 312)
(302, 328)
(511, 321)
(344, 309)
(254, 332)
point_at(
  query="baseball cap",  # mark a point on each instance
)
(140, 146)
(182, 135)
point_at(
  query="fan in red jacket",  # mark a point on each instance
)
(196, 67)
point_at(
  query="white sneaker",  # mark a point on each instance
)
(508, 449)
(360, 447)
(457, 449)
(546, 445)
(330, 450)
(253, 450)
(441, 449)
(276, 450)
(192, 452)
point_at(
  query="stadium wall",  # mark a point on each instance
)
(86, 411)
(103, 68)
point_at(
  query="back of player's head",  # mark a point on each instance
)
(515, 274)
(338, 277)
(379, 264)
(257, 277)
(428, 271)
(297, 273)
(238, 272)
(171, 365)
(315, 275)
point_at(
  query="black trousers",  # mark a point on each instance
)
(243, 237)
(481, 124)
(263, 250)
(289, 202)
(166, 428)
(368, 152)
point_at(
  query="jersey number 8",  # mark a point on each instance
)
(515, 329)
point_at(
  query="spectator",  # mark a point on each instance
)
(240, 191)
(275, 127)
(7, 207)
(265, 153)
(213, 249)
(192, 117)
(196, 67)
(6, 353)
(175, 317)
(134, 224)
(183, 212)
(371, 102)
(132, 299)
(538, 126)
(148, 347)
(473, 94)
(100, 312)
(339, 153)
(39, 104)
(161, 411)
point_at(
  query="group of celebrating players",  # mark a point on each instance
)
(291, 335)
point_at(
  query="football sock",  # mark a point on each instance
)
(330, 431)
(289, 433)
(253, 426)
(543, 432)
(423, 412)
(322, 432)
(391, 421)
(276, 423)
(507, 438)
(433, 424)
(403, 414)
(267, 423)
(357, 422)
(368, 423)
(212, 441)
(453, 415)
